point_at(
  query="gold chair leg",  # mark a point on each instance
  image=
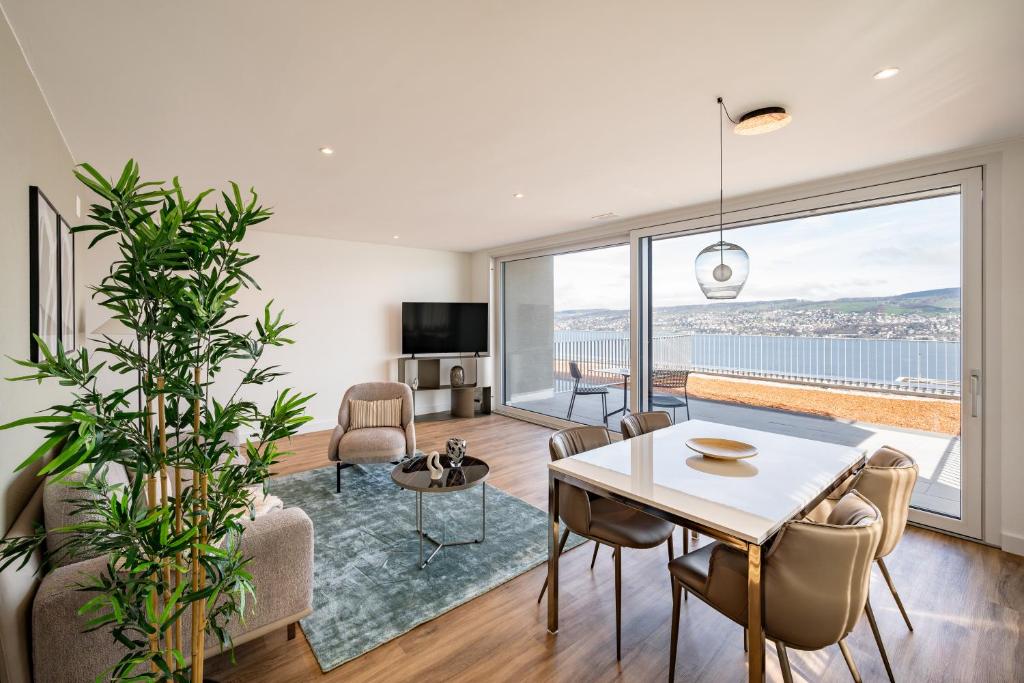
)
(676, 589)
(878, 640)
(594, 558)
(561, 546)
(892, 589)
(849, 661)
(618, 602)
(787, 672)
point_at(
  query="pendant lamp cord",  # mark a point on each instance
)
(721, 180)
(721, 176)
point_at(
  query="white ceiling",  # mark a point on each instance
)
(440, 111)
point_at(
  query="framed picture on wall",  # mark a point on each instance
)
(44, 274)
(67, 284)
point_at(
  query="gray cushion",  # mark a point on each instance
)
(60, 502)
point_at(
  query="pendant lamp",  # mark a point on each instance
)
(722, 267)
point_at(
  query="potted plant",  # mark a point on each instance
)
(171, 537)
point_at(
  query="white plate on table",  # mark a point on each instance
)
(721, 449)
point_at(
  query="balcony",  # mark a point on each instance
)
(902, 393)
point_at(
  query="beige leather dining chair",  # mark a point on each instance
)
(635, 424)
(632, 426)
(602, 520)
(887, 480)
(815, 580)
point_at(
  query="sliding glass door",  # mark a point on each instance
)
(859, 324)
(565, 333)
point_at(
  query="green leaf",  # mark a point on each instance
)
(43, 449)
(39, 419)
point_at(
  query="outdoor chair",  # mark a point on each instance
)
(670, 379)
(579, 388)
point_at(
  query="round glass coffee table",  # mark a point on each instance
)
(471, 472)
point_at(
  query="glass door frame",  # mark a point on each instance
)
(969, 180)
(500, 260)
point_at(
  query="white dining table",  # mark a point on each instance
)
(743, 503)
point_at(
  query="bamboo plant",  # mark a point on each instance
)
(171, 537)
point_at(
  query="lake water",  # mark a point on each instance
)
(901, 364)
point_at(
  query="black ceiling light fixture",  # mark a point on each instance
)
(763, 120)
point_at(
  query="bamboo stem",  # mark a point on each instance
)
(154, 638)
(177, 500)
(164, 485)
(204, 535)
(198, 574)
(179, 574)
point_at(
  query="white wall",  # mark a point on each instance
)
(347, 300)
(32, 152)
(1003, 332)
(1008, 328)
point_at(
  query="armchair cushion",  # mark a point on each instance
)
(372, 444)
(386, 412)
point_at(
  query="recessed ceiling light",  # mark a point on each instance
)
(763, 120)
(887, 72)
(327, 150)
(394, 237)
(519, 195)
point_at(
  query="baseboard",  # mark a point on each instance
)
(1013, 543)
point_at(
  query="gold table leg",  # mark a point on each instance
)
(755, 628)
(553, 554)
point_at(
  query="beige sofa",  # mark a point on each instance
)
(374, 444)
(41, 635)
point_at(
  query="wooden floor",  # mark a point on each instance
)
(966, 601)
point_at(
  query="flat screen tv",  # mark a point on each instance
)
(443, 328)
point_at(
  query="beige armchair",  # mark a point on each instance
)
(815, 581)
(372, 444)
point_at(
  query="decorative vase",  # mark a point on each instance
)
(458, 376)
(435, 466)
(456, 448)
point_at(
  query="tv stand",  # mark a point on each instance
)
(432, 374)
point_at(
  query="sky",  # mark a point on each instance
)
(877, 251)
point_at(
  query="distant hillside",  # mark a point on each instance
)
(925, 302)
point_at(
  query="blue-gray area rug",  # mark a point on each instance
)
(368, 588)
